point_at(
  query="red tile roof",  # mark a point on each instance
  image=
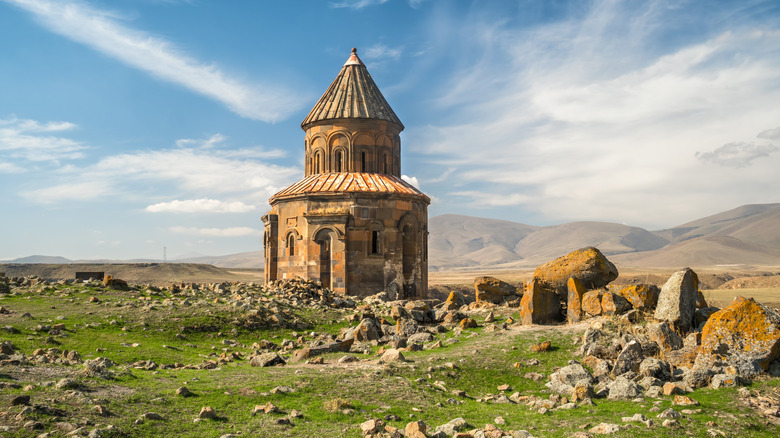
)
(349, 182)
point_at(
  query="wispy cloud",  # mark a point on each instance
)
(736, 154)
(208, 143)
(161, 173)
(32, 141)
(200, 206)
(382, 52)
(575, 118)
(356, 4)
(103, 31)
(217, 232)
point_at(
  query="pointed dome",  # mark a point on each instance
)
(352, 95)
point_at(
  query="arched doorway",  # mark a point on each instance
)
(324, 239)
(409, 260)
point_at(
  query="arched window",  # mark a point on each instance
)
(385, 163)
(363, 162)
(339, 159)
(374, 242)
(291, 245)
(317, 162)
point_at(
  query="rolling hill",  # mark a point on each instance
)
(747, 235)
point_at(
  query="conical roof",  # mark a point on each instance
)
(352, 95)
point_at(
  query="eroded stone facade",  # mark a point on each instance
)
(352, 222)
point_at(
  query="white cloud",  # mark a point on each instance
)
(596, 118)
(208, 143)
(169, 172)
(200, 206)
(102, 31)
(411, 180)
(6, 167)
(217, 232)
(30, 140)
(356, 4)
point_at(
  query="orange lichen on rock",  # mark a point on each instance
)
(746, 334)
(588, 265)
(591, 302)
(641, 296)
(539, 305)
(492, 290)
(574, 307)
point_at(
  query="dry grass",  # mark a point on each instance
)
(724, 297)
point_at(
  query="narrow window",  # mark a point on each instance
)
(317, 163)
(338, 161)
(384, 164)
(375, 242)
(363, 162)
(291, 244)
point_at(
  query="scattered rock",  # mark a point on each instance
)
(207, 413)
(266, 360)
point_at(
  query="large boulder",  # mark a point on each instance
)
(539, 305)
(746, 335)
(588, 265)
(677, 300)
(574, 302)
(641, 296)
(493, 290)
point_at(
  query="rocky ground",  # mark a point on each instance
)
(292, 359)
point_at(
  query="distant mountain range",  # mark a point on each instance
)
(748, 235)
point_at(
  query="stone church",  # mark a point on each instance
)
(351, 223)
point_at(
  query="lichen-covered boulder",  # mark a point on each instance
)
(493, 290)
(539, 305)
(677, 300)
(614, 304)
(454, 301)
(574, 303)
(591, 302)
(641, 296)
(588, 265)
(745, 335)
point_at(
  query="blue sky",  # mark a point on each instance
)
(127, 126)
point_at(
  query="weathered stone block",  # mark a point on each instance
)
(677, 300)
(539, 305)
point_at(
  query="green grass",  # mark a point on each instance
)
(482, 361)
